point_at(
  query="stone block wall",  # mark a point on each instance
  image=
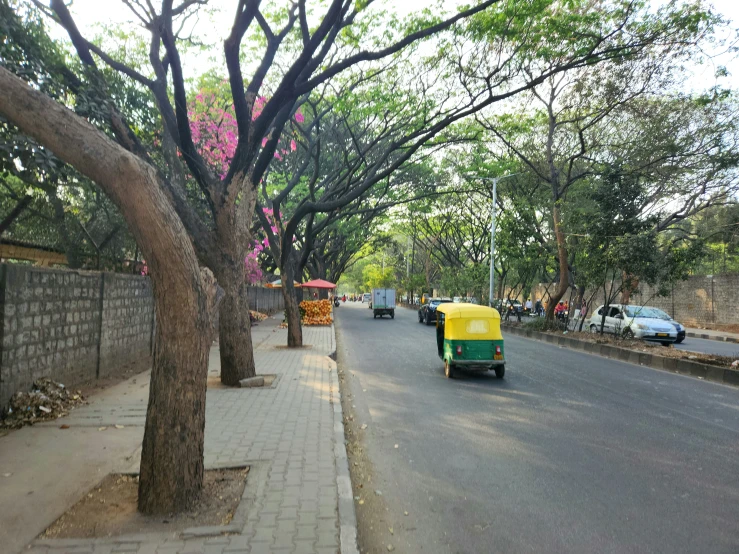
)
(51, 326)
(75, 326)
(72, 326)
(700, 301)
(710, 301)
(127, 323)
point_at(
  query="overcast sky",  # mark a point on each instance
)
(88, 13)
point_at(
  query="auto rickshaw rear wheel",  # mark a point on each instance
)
(500, 371)
(448, 369)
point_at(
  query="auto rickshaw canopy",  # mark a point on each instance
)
(469, 322)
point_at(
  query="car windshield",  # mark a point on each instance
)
(645, 312)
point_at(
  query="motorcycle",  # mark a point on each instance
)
(336, 302)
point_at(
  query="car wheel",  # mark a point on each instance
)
(427, 321)
(500, 371)
(392, 315)
(628, 334)
(665, 343)
(678, 341)
(420, 318)
(448, 370)
(593, 329)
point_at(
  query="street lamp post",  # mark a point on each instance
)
(492, 231)
(492, 245)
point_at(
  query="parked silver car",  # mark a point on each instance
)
(641, 322)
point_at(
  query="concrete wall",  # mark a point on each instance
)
(72, 326)
(75, 326)
(266, 300)
(127, 323)
(50, 326)
(700, 301)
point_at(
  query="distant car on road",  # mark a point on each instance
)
(366, 297)
(641, 322)
(427, 312)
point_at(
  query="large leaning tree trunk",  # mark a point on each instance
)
(172, 455)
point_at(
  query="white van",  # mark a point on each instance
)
(366, 297)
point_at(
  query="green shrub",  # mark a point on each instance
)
(541, 324)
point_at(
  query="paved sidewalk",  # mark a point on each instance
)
(712, 335)
(290, 434)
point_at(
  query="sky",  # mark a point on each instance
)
(88, 13)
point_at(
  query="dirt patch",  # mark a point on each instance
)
(109, 509)
(728, 327)
(214, 381)
(89, 388)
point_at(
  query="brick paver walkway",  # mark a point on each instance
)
(290, 435)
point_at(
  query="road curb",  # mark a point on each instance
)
(347, 515)
(707, 372)
(706, 336)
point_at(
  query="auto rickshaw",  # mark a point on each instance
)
(468, 335)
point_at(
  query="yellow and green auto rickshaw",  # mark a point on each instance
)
(468, 335)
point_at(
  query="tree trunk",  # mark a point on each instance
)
(564, 270)
(629, 285)
(292, 309)
(172, 455)
(234, 325)
(234, 330)
(171, 473)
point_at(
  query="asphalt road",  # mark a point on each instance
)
(569, 453)
(710, 347)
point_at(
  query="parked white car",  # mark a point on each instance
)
(641, 322)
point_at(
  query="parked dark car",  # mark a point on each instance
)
(427, 312)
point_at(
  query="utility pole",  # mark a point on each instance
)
(492, 244)
(407, 259)
(492, 230)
